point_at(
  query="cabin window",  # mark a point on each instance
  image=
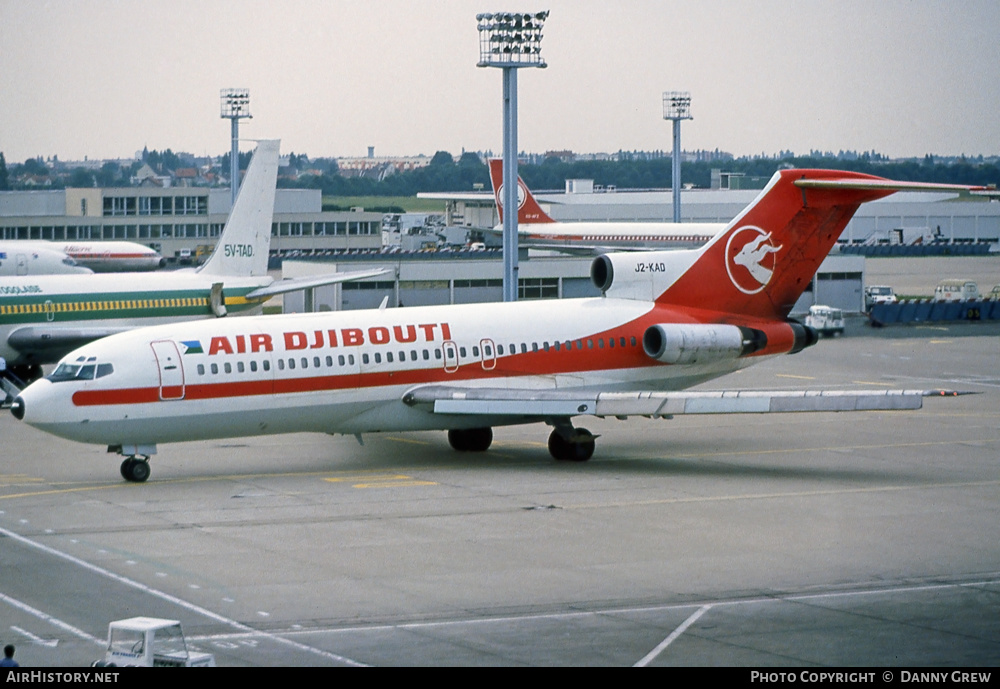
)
(427, 355)
(316, 361)
(413, 355)
(201, 369)
(534, 346)
(461, 352)
(524, 348)
(291, 364)
(600, 343)
(239, 366)
(611, 343)
(267, 365)
(378, 358)
(437, 354)
(558, 346)
(475, 351)
(228, 367)
(305, 362)
(215, 369)
(253, 366)
(340, 359)
(281, 364)
(329, 361)
(633, 340)
(499, 350)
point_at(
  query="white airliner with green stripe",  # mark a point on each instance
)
(42, 317)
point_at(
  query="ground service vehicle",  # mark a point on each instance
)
(150, 642)
(825, 320)
(879, 294)
(956, 290)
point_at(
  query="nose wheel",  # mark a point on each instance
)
(135, 469)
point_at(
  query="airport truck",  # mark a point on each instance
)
(879, 294)
(150, 642)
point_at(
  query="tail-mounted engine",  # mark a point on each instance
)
(701, 343)
(640, 275)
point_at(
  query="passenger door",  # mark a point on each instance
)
(168, 361)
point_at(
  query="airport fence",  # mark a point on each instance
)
(927, 310)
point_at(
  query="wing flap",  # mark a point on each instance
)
(560, 403)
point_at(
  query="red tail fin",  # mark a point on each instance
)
(760, 265)
(528, 210)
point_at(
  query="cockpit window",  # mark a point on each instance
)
(79, 371)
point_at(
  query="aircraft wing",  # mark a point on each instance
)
(444, 399)
(296, 284)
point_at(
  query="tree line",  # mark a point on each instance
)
(469, 172)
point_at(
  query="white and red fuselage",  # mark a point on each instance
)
(347, 372)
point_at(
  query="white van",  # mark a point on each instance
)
(826, 320)
(956, 290)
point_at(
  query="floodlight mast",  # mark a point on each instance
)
(235, 106)
(510, 40)
(676, 107)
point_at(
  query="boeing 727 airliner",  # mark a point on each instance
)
(668, 320)
(536, 228)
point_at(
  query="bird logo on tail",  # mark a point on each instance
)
(750, 259)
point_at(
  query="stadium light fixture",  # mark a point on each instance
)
(510, 40)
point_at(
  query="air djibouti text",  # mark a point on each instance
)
(344, 337)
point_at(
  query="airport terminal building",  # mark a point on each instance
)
(172, 219)
(175, 218)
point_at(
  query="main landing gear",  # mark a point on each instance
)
(566, 443)
(471, 439)
(135, 469)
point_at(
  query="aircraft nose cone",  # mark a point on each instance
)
(17, 408)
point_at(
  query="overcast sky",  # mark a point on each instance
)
(103, 78)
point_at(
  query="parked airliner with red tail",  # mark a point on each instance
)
(537, 229)
(667, 321)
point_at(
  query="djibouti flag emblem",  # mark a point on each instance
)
(193, 347)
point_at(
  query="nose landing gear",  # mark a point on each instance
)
(135, 467)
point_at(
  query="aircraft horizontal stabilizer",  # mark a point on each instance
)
(557, 403)
(881, 185)
(296, 284)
